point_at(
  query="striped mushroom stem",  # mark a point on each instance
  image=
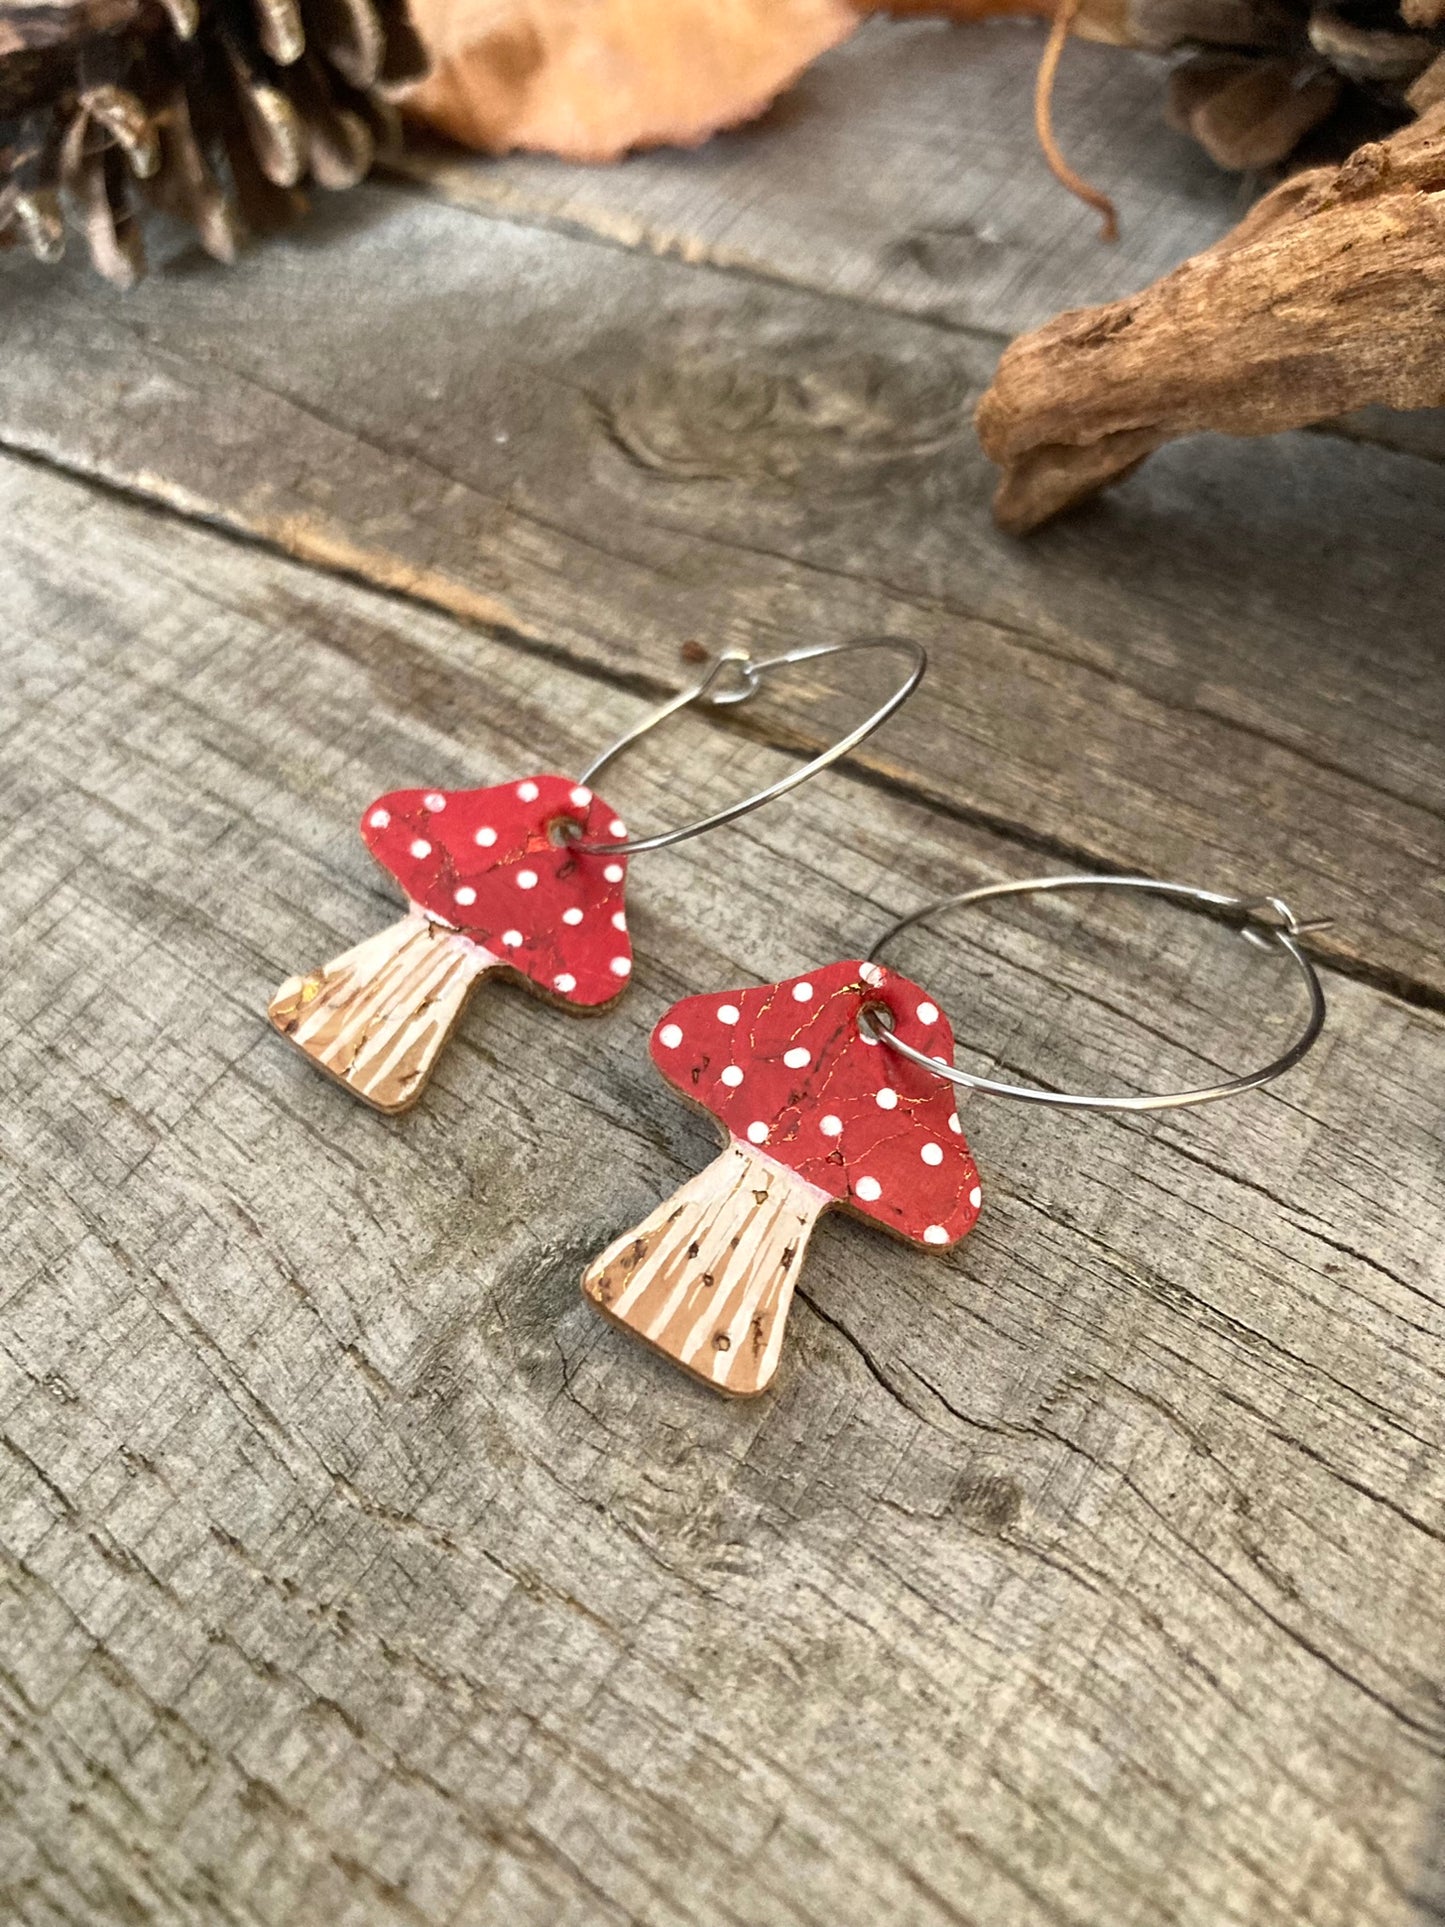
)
(708, 1277)
(494, 885)
(817, 1113)
(375, 1017)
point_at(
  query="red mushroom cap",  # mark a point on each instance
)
(485, 863)
(787, 1070)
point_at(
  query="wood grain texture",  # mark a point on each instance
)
(1229, 667)
(353, 1570)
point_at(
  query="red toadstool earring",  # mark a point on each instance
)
(525, 878)
(836, 1088)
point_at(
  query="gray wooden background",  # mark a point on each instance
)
(351, 1571)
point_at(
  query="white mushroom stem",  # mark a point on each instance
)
(707, 1278)
(376, 1016)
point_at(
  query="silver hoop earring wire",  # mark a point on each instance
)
(1279, 929)
(742, 677)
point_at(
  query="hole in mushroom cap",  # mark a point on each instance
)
(873, 1017)
(562, 830)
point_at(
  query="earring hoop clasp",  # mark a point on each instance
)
(742, 677)
(1280, 929)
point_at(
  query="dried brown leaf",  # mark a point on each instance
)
(591, 79)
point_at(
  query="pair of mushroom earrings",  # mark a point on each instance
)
(836, 1087)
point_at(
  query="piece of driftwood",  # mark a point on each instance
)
(816, 1111)
(354, 1570)
(1330, 295)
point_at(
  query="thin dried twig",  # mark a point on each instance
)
(1044, 122)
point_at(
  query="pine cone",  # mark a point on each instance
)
(1259, 81)
(218, 109)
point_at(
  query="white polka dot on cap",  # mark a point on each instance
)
(572, 916)
(831, 1126)
(758, 1133)
(512, 939)
(486, 837)
(614, 873)
(868, 1189)
(727, 1013)
(670, 1036)
(932, 1154)
(466, 894)
(975, 1197)
(732, 1077)
(935, 1235)
(421, 847)
(526, 879)
(796, 1059)
(434, 801)
(928, 1013)
(887, 1099)
(619, 919)
(621, 966)
(565, 981)
(802, 992)
(527, 792)
(379, 819)
(581, 796)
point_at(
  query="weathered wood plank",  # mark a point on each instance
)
(903, 171)
(1230, 670)
(355, 1570)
